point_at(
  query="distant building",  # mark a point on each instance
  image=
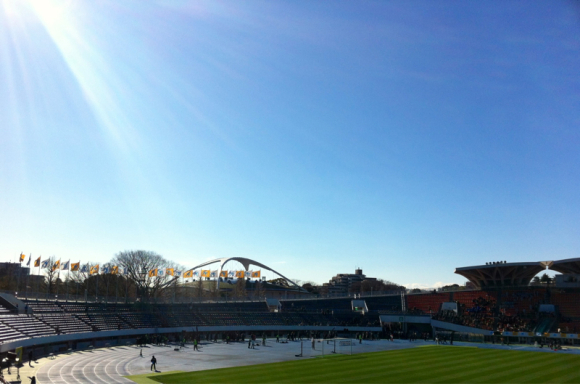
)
(342, 283)
(14, 276)
(7, 269)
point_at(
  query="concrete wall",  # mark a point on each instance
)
(89, 337)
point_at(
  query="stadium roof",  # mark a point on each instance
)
(246, 263)
(566, 266)
(502, 274)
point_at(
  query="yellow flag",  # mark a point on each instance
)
(240, 274)
(153, 272)
(256, 274)
(22, 257)
(114, 269)
(169, 271)
(74, 267)
(224, 274)
(187, 274)
(56, 265)
(37, 262)
(94, 269)
(205, 273)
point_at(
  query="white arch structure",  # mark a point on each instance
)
(246, 263)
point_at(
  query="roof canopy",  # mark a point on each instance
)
(246, 263)
(502, 274)
(566, 266)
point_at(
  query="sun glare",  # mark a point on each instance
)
(51, 12)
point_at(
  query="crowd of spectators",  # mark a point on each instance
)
(484, 313)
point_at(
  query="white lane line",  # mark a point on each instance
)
(66, 362)
(124, 362)
(115, 378)
(97, 362)
(52, 364)
(83, 371)
(80, 361)
(128, 363)
(57, 372)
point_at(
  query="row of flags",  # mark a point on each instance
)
(207, 273)
(156, 272)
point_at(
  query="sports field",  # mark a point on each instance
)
(429, 364)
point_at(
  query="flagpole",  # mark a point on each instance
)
(107, 297)
(57, 279)
(117, 286)
(87, 281)
(97, 288)
(174, 287)
(38, 279)
(126, 285)
(77, 281)
(67, 279)
(28, 276)
(19, 271)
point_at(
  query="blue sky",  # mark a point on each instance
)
(405, 138)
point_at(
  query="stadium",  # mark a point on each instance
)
(190, 191)
(57, 338)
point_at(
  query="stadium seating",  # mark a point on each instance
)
(28, 325)
(63, 323)
(426, 302)
(568, 304)
(384, 303)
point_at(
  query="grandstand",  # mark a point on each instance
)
(492, 310)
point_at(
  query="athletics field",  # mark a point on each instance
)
(428, 364)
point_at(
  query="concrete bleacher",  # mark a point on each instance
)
(427, 302)
(568, 304)
(317, 305)
(467, 298)
(103, 321)
(514, 301)
(8, 333)
(63, 323)
(384, 303)
(27, 325)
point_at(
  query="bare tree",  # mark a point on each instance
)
(138, 264)
(259, 292)
(240, 289)
(51, 275)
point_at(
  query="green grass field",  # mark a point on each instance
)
(433, 364)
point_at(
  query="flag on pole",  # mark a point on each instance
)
(205, 273)
(160, 272)
(224, 274)
(85, 268)
(213, 274)
(125, 271)
(256, 274)
(240, 274)
(29, 258)
(22, 257)
(106, 269)
(231, 274)
(177, 273)
(65, 266)
(114, 270)
(56, 265)
(169, 271)
(44, 263)
(74, 267)
(37, 262)
(188, 274)
(94, 269)
(153, 272)
(195, 274)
